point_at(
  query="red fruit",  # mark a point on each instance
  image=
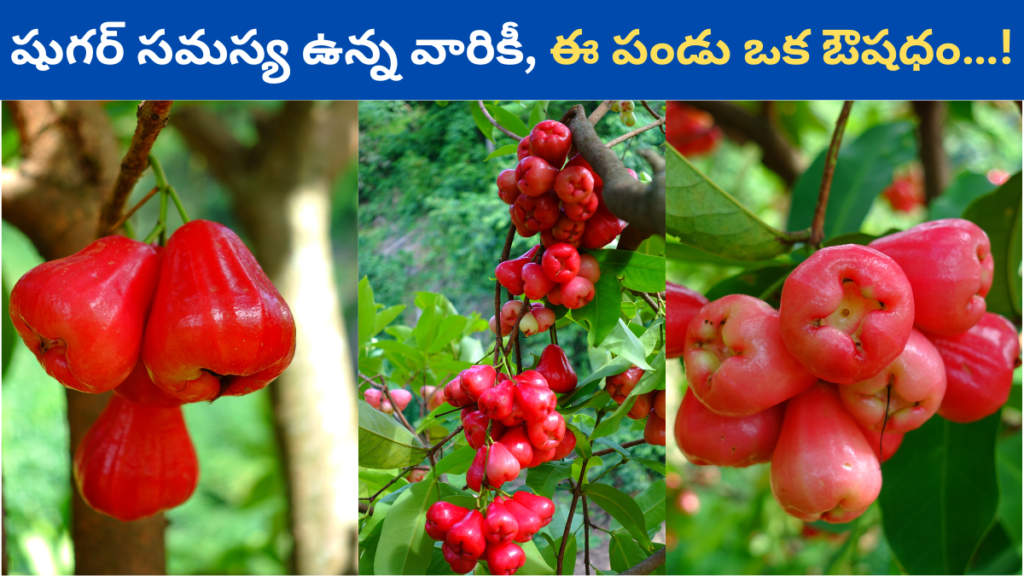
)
(659, 403)
(498, 429)
(372, 397)
(589, 268)
(949, 266)
(401, 398)
(654, 430)
(518, 445)
(459, 565)
(574, 184)
(532, 378)
(905, 193)
(529, 521)
(918, 383)
(846, 313)
(555, 368)
(551, 141)
(535, 282)
(979, 368)
(510, 312)
(632, 173)
(83, 316)
(736, 361)
(565, 231)
(496, 403)
(536, 402)
(561, 263)
(508, 186)
(555, 296)
(566, 447)
(138, 388)
(543, 507)
(541, 456)
(602, 228)
(510, 272)
(547, 238)
(690, 131)
(466, 538)
(889, 446)
(707, 438)
(501, 466)
(535, 176)
(520, 224)
(523, 150)
(578, 160)
(475, 474)
(548, 432)
(823, 467)
(476, 380)
(500, 526)
(493, 324)
(545, 318)
(474, 425)
(683, 304)
(454, 395)
(577, 293)
(506, 558)
(416, 475)
(218, 327)
(435, 400)
(441, 516)
(620, 385)
(582, 211)
(641, 406)
(136, 461)
(516, 417)
(536, 213)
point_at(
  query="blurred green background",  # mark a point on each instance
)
(236, 522)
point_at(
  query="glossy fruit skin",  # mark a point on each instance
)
(466, 538)
(554, 366)
(949, 265)
(454, 395)
(534, 397)
(823, 467)
(641, 406)
(510, 272)
(706, 438)
(602, 228)
(543, 507)
(518, 444)
(508, 186)
(501, 465)
(83, 315)
(578, 160)
(979, 368)
(372, 397)
(545, 317)
(566, 231)
(441, 516)
(566, 447)
(846, 313)
(582, 211)
(136, 460)
(529, 521)
(474, 425)
(561, 263)
(546, 433)
(535, 176)
(690, 131)
(536, 283)
(138, 388)
(494, 323)
(523, 150)
(218, 326)
(401, 397)
(476, 380)
(736, 361)
(541, 456)
(500, 526)
(659, 403)
(890, 445)
(682, 305)
(577, 293)
(918, 380)
(589, 268)
(551, 141)
(510, 311)
(620, 385)
(458, 564)
(654, 430)
(476, 473)
(574, 184)
(535, 213)
(506, 558)
(496, 403)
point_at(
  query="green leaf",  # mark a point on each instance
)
(1008, 467)
(621, 507)
(999, 214)
(449, 329)
(404, 546)
(10, 336)
(457, 462)
(637, 271)
(384, 443)
(386, 316)
(652, 502)
(505, 150)
(550, 554)
(624, 552)
(426, 327)
(593, 463)
(544, 478)
(583, 447)
(653, 379)
(924, 508)
(601, 315)
(658, 467)
(537, 561)
(486, 128)
(958, 195)
(509, 120)
(367, 311)
(622, 342)
(863, 170)
(538, 113)
(686, 253)
(703, 215)
(752, 282)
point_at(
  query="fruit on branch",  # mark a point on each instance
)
(83, 316)
(529, 324)
(554, 366)
(659, 403)
(466, 538)
(561, 263)
(458, 564)
(136, 460)
(534, 397)
(476, 380)
(551, 141)
(441, 516)
(589, 268)
(510, 272)
(546, 433)
(401, 398)
(574, 184)
(690, 131)
(566, 231)
(566, 447)
(979, 368)
(500, 526)
(736, 361)
(476, 475)
(505, 558)
(474, 426)
(508, 186)
(889, 446)
(454, 395)
(544, 316)
(579, 160)
(555, 296)
(905, 192)
(620, 385)
(543, 507)
(510, 311)
(494, 323)
(846, 313)
(138, 388)
(372, 397)
(949, 266)
(541, 456)
(218, 326)
(823, 467)
(654, 430)
(641, 406)
(535, 282)
(518, 444)
(535, 176)
(682, 305)
(386, 407)
(516, 417)
(496, 403)
(577, 293)
(501, 465)
(912, 387)
(529, 521)
(535, 213)
(583, 211)
(708, 438)
(602, 228)
(523, 150)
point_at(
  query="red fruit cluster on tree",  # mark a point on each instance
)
(690, 131)
(826, 388)
(649, 405)
(563, 276)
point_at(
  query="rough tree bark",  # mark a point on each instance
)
(54, 197)
(282, 195)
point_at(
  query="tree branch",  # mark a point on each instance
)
(629, 444)
(636, 132)
(603, 108)
(576, 493)
(653, 113)
(490, 119)
(931, 119)
(818, 223)
(648, 565)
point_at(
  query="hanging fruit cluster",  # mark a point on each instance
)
(161, 326)
(868, 344)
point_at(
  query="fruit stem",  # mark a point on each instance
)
(178, 204)
(156, 231)
(818, 223)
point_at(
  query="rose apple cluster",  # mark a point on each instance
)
(690, 131)
(161, 327)
(512, 424)
(869, 342)
(401, 397)
(650, 405)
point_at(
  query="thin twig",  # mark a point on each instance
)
(505, 252)
(647, 298)
(653, 113)
(636, 132)
(648, 565)
(134, 209)
(599, 112)
(629, 444)
(490, 119)
(577, 492)
(586, 536)
(388, 485)
(384, 388)
(818, 223)
(515, 327)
